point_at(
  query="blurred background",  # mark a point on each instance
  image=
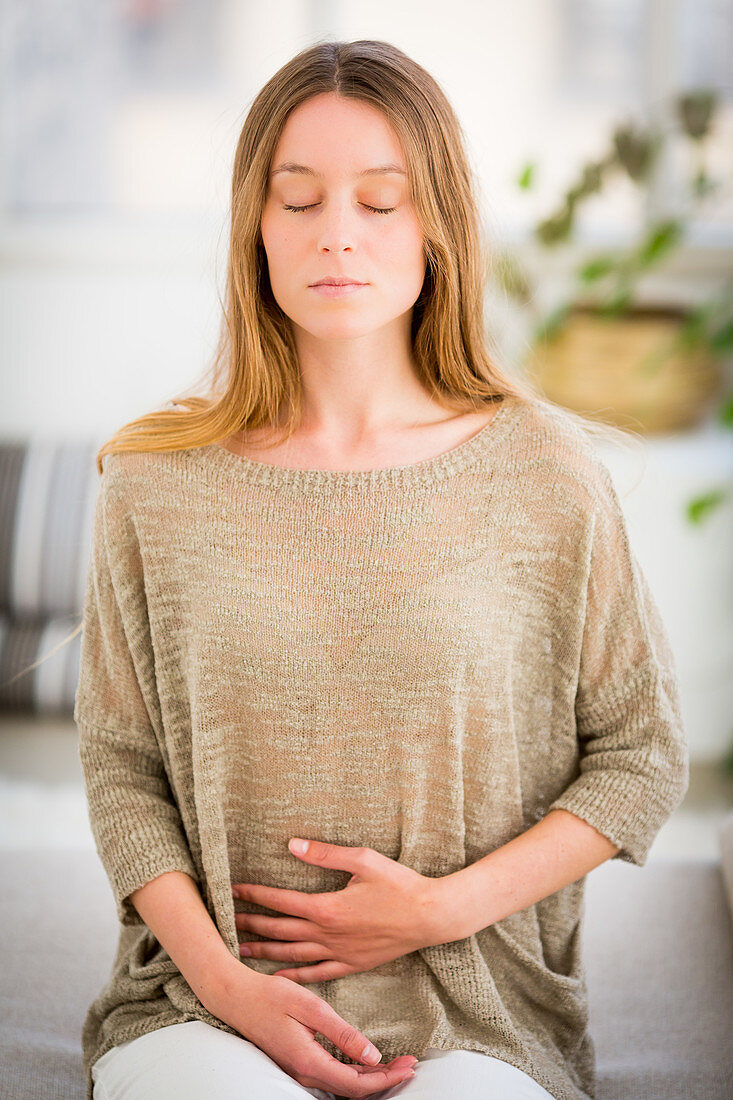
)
(601, 135)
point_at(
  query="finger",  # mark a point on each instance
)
(402, 1062)
(339, 856)
(276, 928)
(354, 1043)
(356, 1081)
(295, 902)
(325, 971)
(288, 952)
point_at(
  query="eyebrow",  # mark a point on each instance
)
(304, 170)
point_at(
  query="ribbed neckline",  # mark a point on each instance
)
(414, 474)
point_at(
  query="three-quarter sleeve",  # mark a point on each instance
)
(633, 754)
(134, 817)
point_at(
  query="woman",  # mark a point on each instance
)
(371, 594)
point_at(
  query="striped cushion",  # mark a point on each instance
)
(725, 839)
(47, 496)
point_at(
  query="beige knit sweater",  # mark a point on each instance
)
(422, 659)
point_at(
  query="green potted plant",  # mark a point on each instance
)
(648, 367)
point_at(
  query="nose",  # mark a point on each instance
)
(336, 231)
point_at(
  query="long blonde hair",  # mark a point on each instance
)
(253, 381)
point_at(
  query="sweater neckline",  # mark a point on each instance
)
(425, 472)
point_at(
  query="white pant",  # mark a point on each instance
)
(195, 1061)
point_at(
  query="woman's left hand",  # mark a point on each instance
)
(386, 910)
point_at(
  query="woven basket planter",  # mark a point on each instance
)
(620, 369)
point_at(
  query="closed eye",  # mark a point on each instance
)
(374, 209)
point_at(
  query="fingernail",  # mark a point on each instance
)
(244, 950)
(371, 1054)
(235, 892)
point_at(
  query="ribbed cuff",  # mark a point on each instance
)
(142, 857)
(627, 809)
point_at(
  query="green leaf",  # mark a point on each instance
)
(695, 110)
(555, 228)
(595, 269)
(726, 412)
(692, 330)
(660, 239)
(592, 179)
(701, 507)
(512, 278)
(721, 341)
(635, 150)
(526, 176)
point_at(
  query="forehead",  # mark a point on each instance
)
(332, 135)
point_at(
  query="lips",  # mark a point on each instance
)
(337, 280)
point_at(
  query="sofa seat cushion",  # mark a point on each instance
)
(657, 941)
(659, 957)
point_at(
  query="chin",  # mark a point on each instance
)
(338, 328)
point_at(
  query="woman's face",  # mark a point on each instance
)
(339, 141)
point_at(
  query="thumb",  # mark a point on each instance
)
(348, 1038)
(338, 856)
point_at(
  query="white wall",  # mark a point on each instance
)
(92, 341)
(689, 568)
(105, 317)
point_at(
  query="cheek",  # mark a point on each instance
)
(406, 252)
(271, 235)
(280, 250)
(277, 235)
(409, 241)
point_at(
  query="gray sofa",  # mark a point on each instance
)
(658, 948)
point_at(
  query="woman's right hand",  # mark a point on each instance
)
(282, 1018)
